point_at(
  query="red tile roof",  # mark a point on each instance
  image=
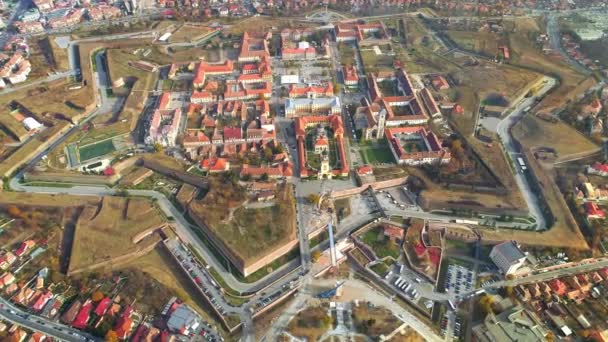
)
(233, 133)
(259, 171)
(165, 99)
(600, 167)
(80, 322)
(593, 210)
(393, 232)
(321, 142)
(201, 95)
(365, 170)
(102, 307)
(214, 164)
(295, 91)
(350, 73)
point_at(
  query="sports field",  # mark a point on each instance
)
(96, 150)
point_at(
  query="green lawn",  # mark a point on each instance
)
(96, 150)
(347, 54)
(375, 155)
(313, 159)
(374, 63)
(380, 269)
(380, 244)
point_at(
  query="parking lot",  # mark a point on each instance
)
(397, 198)
(412, 286)
(200, 275)
(459, 280)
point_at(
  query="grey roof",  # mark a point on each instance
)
(182, 317)
(514, 324)
(510, 251)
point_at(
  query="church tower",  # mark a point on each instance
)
(381, 123)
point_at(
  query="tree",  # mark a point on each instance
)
(326, 321)
(14, 212)
(97, 296)
(111, 336)
(268, 153)
(158, 147)
(336, 88)
(456, 149)
(264, 177)
(485, 303)
(315, 255)
(313, 199)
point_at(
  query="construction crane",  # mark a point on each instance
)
(332, 245)
(331, 292)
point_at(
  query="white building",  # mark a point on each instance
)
(290, 79)
(507, 256)
(319, 105)
(31, 124)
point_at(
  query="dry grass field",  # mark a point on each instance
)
(37, 99)
(189, 33)
(159, 265)
(375, 321)
(18, 157)
(248, 232)
(434, 194)
(263, 24)
(106, 232)
(310, 323)
(142, 82)
(43, 200)
(534, 132)
(476, 83)
(485, 43)
(525, 53)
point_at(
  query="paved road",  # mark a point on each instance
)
(554, 33)
(580, 268)
(504, 132)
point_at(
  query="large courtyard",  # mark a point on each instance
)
(313, 159)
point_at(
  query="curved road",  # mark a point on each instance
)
(504, 131)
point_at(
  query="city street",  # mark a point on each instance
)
(12, 314)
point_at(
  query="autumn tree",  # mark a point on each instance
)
(97, 296)
(111, 336)
(313, 199)
(14, 212)
(268, 154)
(485, 303)
(315, 256)
(456, 149)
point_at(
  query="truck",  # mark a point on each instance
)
(521, 162)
